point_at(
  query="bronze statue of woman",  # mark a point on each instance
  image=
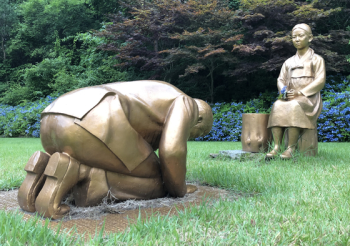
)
(302, 76)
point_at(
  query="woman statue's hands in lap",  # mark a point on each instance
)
(291, 94)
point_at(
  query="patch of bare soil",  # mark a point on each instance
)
(117, 216)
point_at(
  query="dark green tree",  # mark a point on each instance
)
(8, 19)
(267, 41)
(42, 22)
(171, 38)
(208, 47)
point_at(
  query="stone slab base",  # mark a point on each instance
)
(234, 154)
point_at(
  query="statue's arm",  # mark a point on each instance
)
(320, 78)
(182, 116)
(282, 78)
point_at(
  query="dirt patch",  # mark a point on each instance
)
(118, 216)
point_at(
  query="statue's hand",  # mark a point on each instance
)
(291, 94)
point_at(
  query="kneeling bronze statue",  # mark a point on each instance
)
(100, 142)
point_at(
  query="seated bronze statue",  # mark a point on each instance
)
(100, 142)
(302, 76)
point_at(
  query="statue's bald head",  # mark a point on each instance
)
(205, 120)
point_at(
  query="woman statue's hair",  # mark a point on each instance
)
(304, 27)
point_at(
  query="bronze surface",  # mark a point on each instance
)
(304, 76)
(307, 142)
(255, 134)
(102, 139)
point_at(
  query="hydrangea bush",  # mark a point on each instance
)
(24, 119)
(227, 125)
(333, 123)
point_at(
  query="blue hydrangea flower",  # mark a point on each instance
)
(283, 90)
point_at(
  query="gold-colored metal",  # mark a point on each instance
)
(102, 140)
(92, 188)
(62, 173)
(304, 76)
(255, 134)
(33, 182)
(191, 189)
(307, 142)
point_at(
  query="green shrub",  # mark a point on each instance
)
(75, 63)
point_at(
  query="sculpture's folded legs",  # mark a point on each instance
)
(124, 187)
(92, 186)
(62, 174)
(34, 180)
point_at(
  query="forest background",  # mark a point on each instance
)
(219, 51)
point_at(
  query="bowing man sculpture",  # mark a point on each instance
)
(100, 141)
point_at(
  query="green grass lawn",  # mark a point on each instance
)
(304, 201)
(14, 154)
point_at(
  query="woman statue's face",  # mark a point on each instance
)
(301, 39)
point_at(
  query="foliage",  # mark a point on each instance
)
(209, 46)
(227, 125)
(74, 63)
(136, 40)
(333, 123)
(24, 119)
(8, 18)
(224, 50)
(102, 8)
(267, 43)
(234, 4)
(170, 39)
(173, 38)
(42, 21)
(33, 65)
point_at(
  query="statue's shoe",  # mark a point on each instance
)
(287, 154)
(34, 181)
(271, 154)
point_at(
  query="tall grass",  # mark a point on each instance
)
(303, 201)
(14, 230)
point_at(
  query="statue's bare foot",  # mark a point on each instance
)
(62, 174)
(191, 189)
(272, 154)
(287, 154)
(34, 180)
